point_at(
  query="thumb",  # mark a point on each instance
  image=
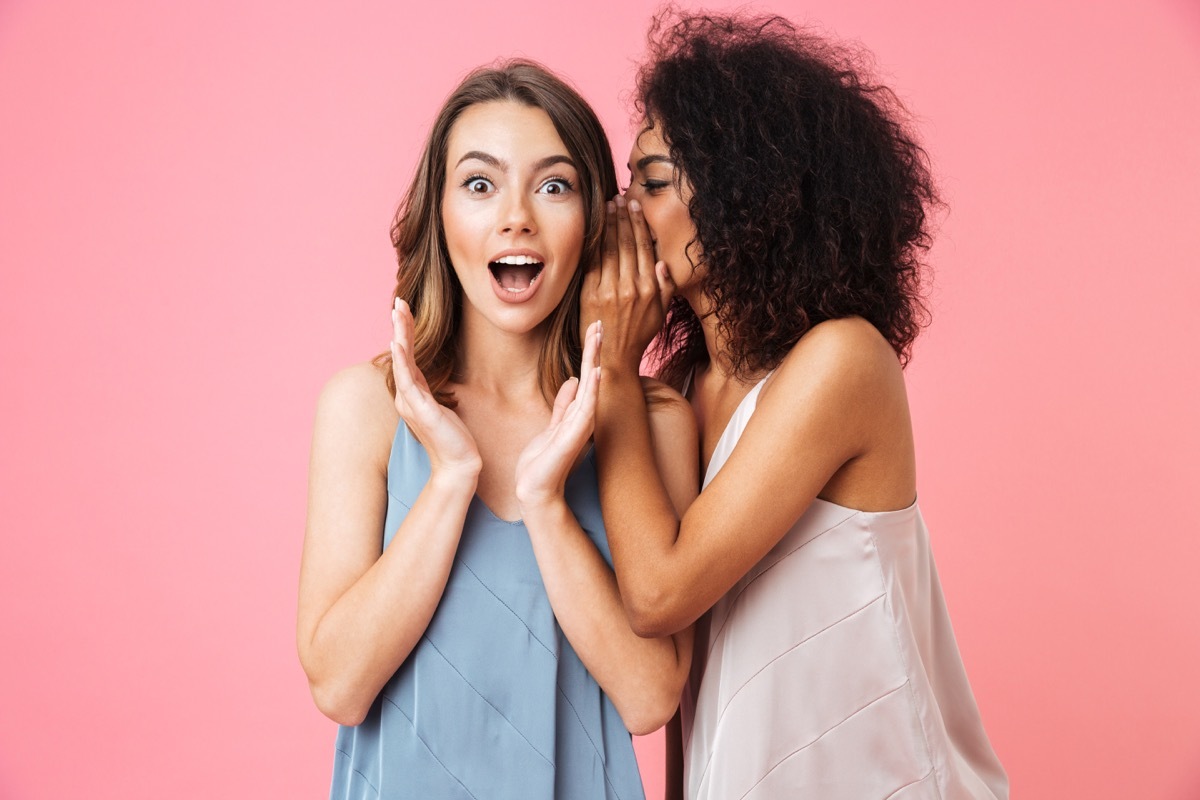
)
(666, 285)
(566, 393)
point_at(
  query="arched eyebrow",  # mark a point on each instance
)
(646, 161)
(486, 158)
(502, 165)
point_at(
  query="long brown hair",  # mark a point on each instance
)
(425, 279)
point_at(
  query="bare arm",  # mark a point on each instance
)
(820, 413)
(361, 609)
(643, 677)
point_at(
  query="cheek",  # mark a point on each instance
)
(569, 228)
(461, 225)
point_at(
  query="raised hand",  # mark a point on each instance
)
(627, 289)
(545, 463)
(450, 446)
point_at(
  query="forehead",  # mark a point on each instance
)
(649, 142)
(508, 130)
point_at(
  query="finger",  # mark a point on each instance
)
(589, 300)
(403, 327)
(580, 419)
(396, 319)
(589, 368)
(610, 259)
(625, 243)
(643, 241)
(666, 284)
(566, 394)
(402, 370)
(587, 360)
(407, 326)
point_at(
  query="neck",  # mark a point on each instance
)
(497, 362)
(716, 343)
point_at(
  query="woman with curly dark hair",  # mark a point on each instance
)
(777, 219)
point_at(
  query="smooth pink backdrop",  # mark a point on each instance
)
(194, 203)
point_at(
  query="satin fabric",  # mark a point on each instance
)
(830, 670)
(493, 702)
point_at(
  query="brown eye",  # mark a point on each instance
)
(478, 185)
(556, 186)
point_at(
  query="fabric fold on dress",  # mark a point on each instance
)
(832, 671)
(493, 702)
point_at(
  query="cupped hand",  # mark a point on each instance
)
(545, 463)
(440, 431)
(627, 289)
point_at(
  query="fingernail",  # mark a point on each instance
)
(634, 205)
(620, 200)
(612, 207)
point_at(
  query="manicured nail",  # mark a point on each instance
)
(634, 205)
(620, 200)
(612, 207)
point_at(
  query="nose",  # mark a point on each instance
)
(517, 215)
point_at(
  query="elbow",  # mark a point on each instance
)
(340, 705)
(653, 614)
(651, 715)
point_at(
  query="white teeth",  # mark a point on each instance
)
(516, 260)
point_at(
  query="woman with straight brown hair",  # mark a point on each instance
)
(458, 612)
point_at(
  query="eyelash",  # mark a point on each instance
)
(651, 186)
(477, 177)
(570, 187)
(568, 184)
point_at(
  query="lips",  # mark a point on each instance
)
(516, 272)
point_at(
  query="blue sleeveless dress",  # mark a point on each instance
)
(493, 702)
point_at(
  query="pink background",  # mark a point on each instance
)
(194, 204)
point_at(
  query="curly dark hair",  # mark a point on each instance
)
(809, 193)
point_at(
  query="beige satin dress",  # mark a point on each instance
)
(830, 670)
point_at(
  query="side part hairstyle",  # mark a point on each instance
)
(425, 278)
(809, 194)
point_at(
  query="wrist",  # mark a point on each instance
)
(543, 510)
(456, 478)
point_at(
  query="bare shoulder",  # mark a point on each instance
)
(358, 389)
(847, 357)
(667, 407)
(657, 392)
(356, 411)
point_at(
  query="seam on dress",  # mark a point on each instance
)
(603, 763)
(810, 637)
(733, 602)
(883, 696)
(398, 500)
(359, 772)
(912, 696)
(450, 664)
(921, 779)
(506, 605)
(417, 736)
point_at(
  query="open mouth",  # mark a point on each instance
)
(515, 273)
